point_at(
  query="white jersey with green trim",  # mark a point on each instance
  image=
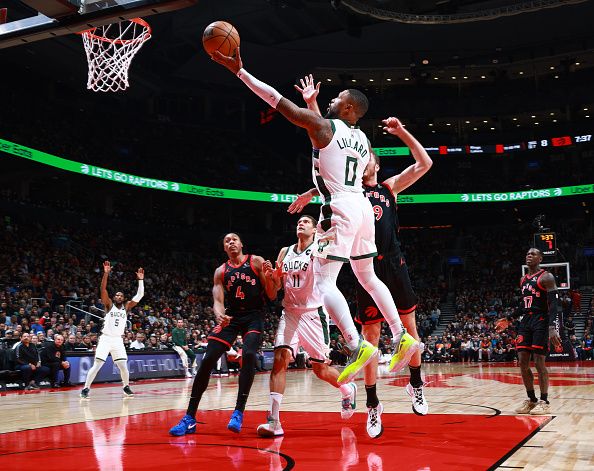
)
(338, 168)
(114, 322)
(299, 280)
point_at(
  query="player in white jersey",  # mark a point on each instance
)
(114, 325)
(346, 229)
(303, 323)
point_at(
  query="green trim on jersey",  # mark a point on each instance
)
(337, 259)
(361, 257)
(333, 126)
(324, 321)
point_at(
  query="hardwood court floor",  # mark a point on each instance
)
(471, 425)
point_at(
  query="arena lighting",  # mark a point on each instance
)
(196, 190)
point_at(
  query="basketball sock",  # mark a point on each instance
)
(93, 372)
(415, 376)
(531, 395)
(251, 344)
(214, 350)
(379, 292)
(276, 400)
(123, 367)
(544, 397)
(325, 276)
(346, 389)
(372, 399)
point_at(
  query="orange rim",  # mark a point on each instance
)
(147, 34)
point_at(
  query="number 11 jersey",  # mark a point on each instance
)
(299, 280)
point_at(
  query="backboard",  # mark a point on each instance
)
(559, 270)
(32, 20)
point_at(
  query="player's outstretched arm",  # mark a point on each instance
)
(302, 201)
(309, 91)
(139, 293)
(548, 282)
(318, 128)
(105, 299)
(422, 163)
(218, 296)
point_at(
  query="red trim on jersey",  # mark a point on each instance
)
(407, 311)
(252, 267)
(240, 264)
(522, 280)
(374, 321)
(523, 347)
(390, 190)
(538, 281)
(527, 275)
(538, 346)
(252, 331)
(219, 340)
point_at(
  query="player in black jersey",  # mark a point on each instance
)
(243, 281)
(538, 326)
(389, 265)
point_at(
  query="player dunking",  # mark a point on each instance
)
(539, 308)
(346, 230)
(389, 264)
(304, 323)
(114, 325)
(242, 279)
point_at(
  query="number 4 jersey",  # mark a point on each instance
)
(299, 280)
(244, 289)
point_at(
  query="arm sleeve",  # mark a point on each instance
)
(553, 299)
(263, 90)
(140, 292)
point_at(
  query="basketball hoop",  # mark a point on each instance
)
(110, 50)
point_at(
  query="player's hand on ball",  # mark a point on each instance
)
(301, 202)
(234, 64)
(554, 338)
(106, 266)
(501, 325)
(309, 89)
(140, 274)
(393, 126)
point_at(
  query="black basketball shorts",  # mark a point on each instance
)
(393, 272)
(248, 323)
(533, 333)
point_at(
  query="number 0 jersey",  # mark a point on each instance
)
(299, 280)
(534, 295)
(338, 167)
(244, 289)
(114, 322)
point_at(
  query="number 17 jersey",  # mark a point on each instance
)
(299, 280)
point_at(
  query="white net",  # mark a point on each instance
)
(110, 50)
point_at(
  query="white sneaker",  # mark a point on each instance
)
(374, 421)
(541, 408)
(526, 407)
(349, 403)
(272, 428)
(188, 374)
(420, 406)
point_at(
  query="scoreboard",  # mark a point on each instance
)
(546, 242)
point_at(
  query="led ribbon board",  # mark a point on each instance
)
(17, 150)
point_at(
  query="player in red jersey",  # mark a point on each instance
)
(242, 281)
(538, 326)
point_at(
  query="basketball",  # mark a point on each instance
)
(220, 36)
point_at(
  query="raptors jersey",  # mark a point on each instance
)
(299, 280)
(534, 296)
(385, 213)
(114, 322)
(243, 287)
(338, 167)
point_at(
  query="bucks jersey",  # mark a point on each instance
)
(338, 168)
(299, 279)
(114, 322)
(244, 289)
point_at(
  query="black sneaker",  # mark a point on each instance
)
(34, 385)
(128, 392)
(84, 394)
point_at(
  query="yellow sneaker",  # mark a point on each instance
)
(359, 358)
(404, 349)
